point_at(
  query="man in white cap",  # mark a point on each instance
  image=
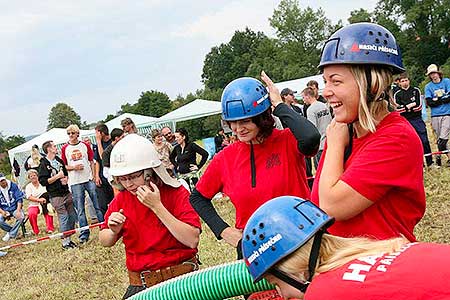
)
(11, 203)
(437, 94)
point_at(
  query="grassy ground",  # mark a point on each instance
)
(45, 271)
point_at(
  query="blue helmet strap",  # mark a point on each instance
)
(252, 165)
(313, 257)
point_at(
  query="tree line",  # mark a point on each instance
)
(421, 27)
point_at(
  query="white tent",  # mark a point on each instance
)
(137, 119)
(198, 108)
(299, 85)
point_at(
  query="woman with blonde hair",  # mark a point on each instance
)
(285, 241)
(38, 196)
(33, 161)
(370, 177)
(163, 148)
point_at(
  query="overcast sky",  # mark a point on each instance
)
(96, 55)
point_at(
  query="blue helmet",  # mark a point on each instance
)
(278, 228)
(244, 98)
(362, 43)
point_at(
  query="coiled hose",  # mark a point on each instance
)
(213, 283)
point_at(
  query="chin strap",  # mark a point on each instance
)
(313, 257)
(349, 148)
(252, 165)
(301, 286)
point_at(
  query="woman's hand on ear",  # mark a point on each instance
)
(149, 195)
(274, 93)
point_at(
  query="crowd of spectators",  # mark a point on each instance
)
(366, 137)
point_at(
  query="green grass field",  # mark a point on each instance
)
(45, 271)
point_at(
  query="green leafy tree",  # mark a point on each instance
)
(154, 103)
(7, 143)
(108, 118)
(300, 33)
(421, 29)
(62, 115)
(229, 61)
(360, 15)
(150, 103)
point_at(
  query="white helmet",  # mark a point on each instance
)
(134, 153)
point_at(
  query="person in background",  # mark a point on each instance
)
(151, 214)
(220, 140)
(305, 262)
(263, 163)
(38, 196)
(396, 85)
(164, 149)
(88, 202)
(437, 95)
(314, 85)
(78, 158)
(53, 175)
(16, 169)
(32, 161)
(11, 204)
(128, 126)
(116, 135)
(169, 136)
(318, 114)
(370, 177)
(104, 190)
(409, 105)
(289, 99)
(184, 155)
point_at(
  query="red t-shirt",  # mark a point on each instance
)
(417, 271)
(386, 168)
(148, 243)
(280, 170)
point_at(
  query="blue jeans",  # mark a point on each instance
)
(79, 197)
(66, 213)
(11, 229)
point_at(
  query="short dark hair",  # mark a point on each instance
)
(46, 145)
(115, 133)
(102, 128)
(313, 82)
(265, 123)
(184, 133)
(309, 92)
(404, 75)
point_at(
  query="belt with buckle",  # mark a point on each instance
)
(149, 278)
